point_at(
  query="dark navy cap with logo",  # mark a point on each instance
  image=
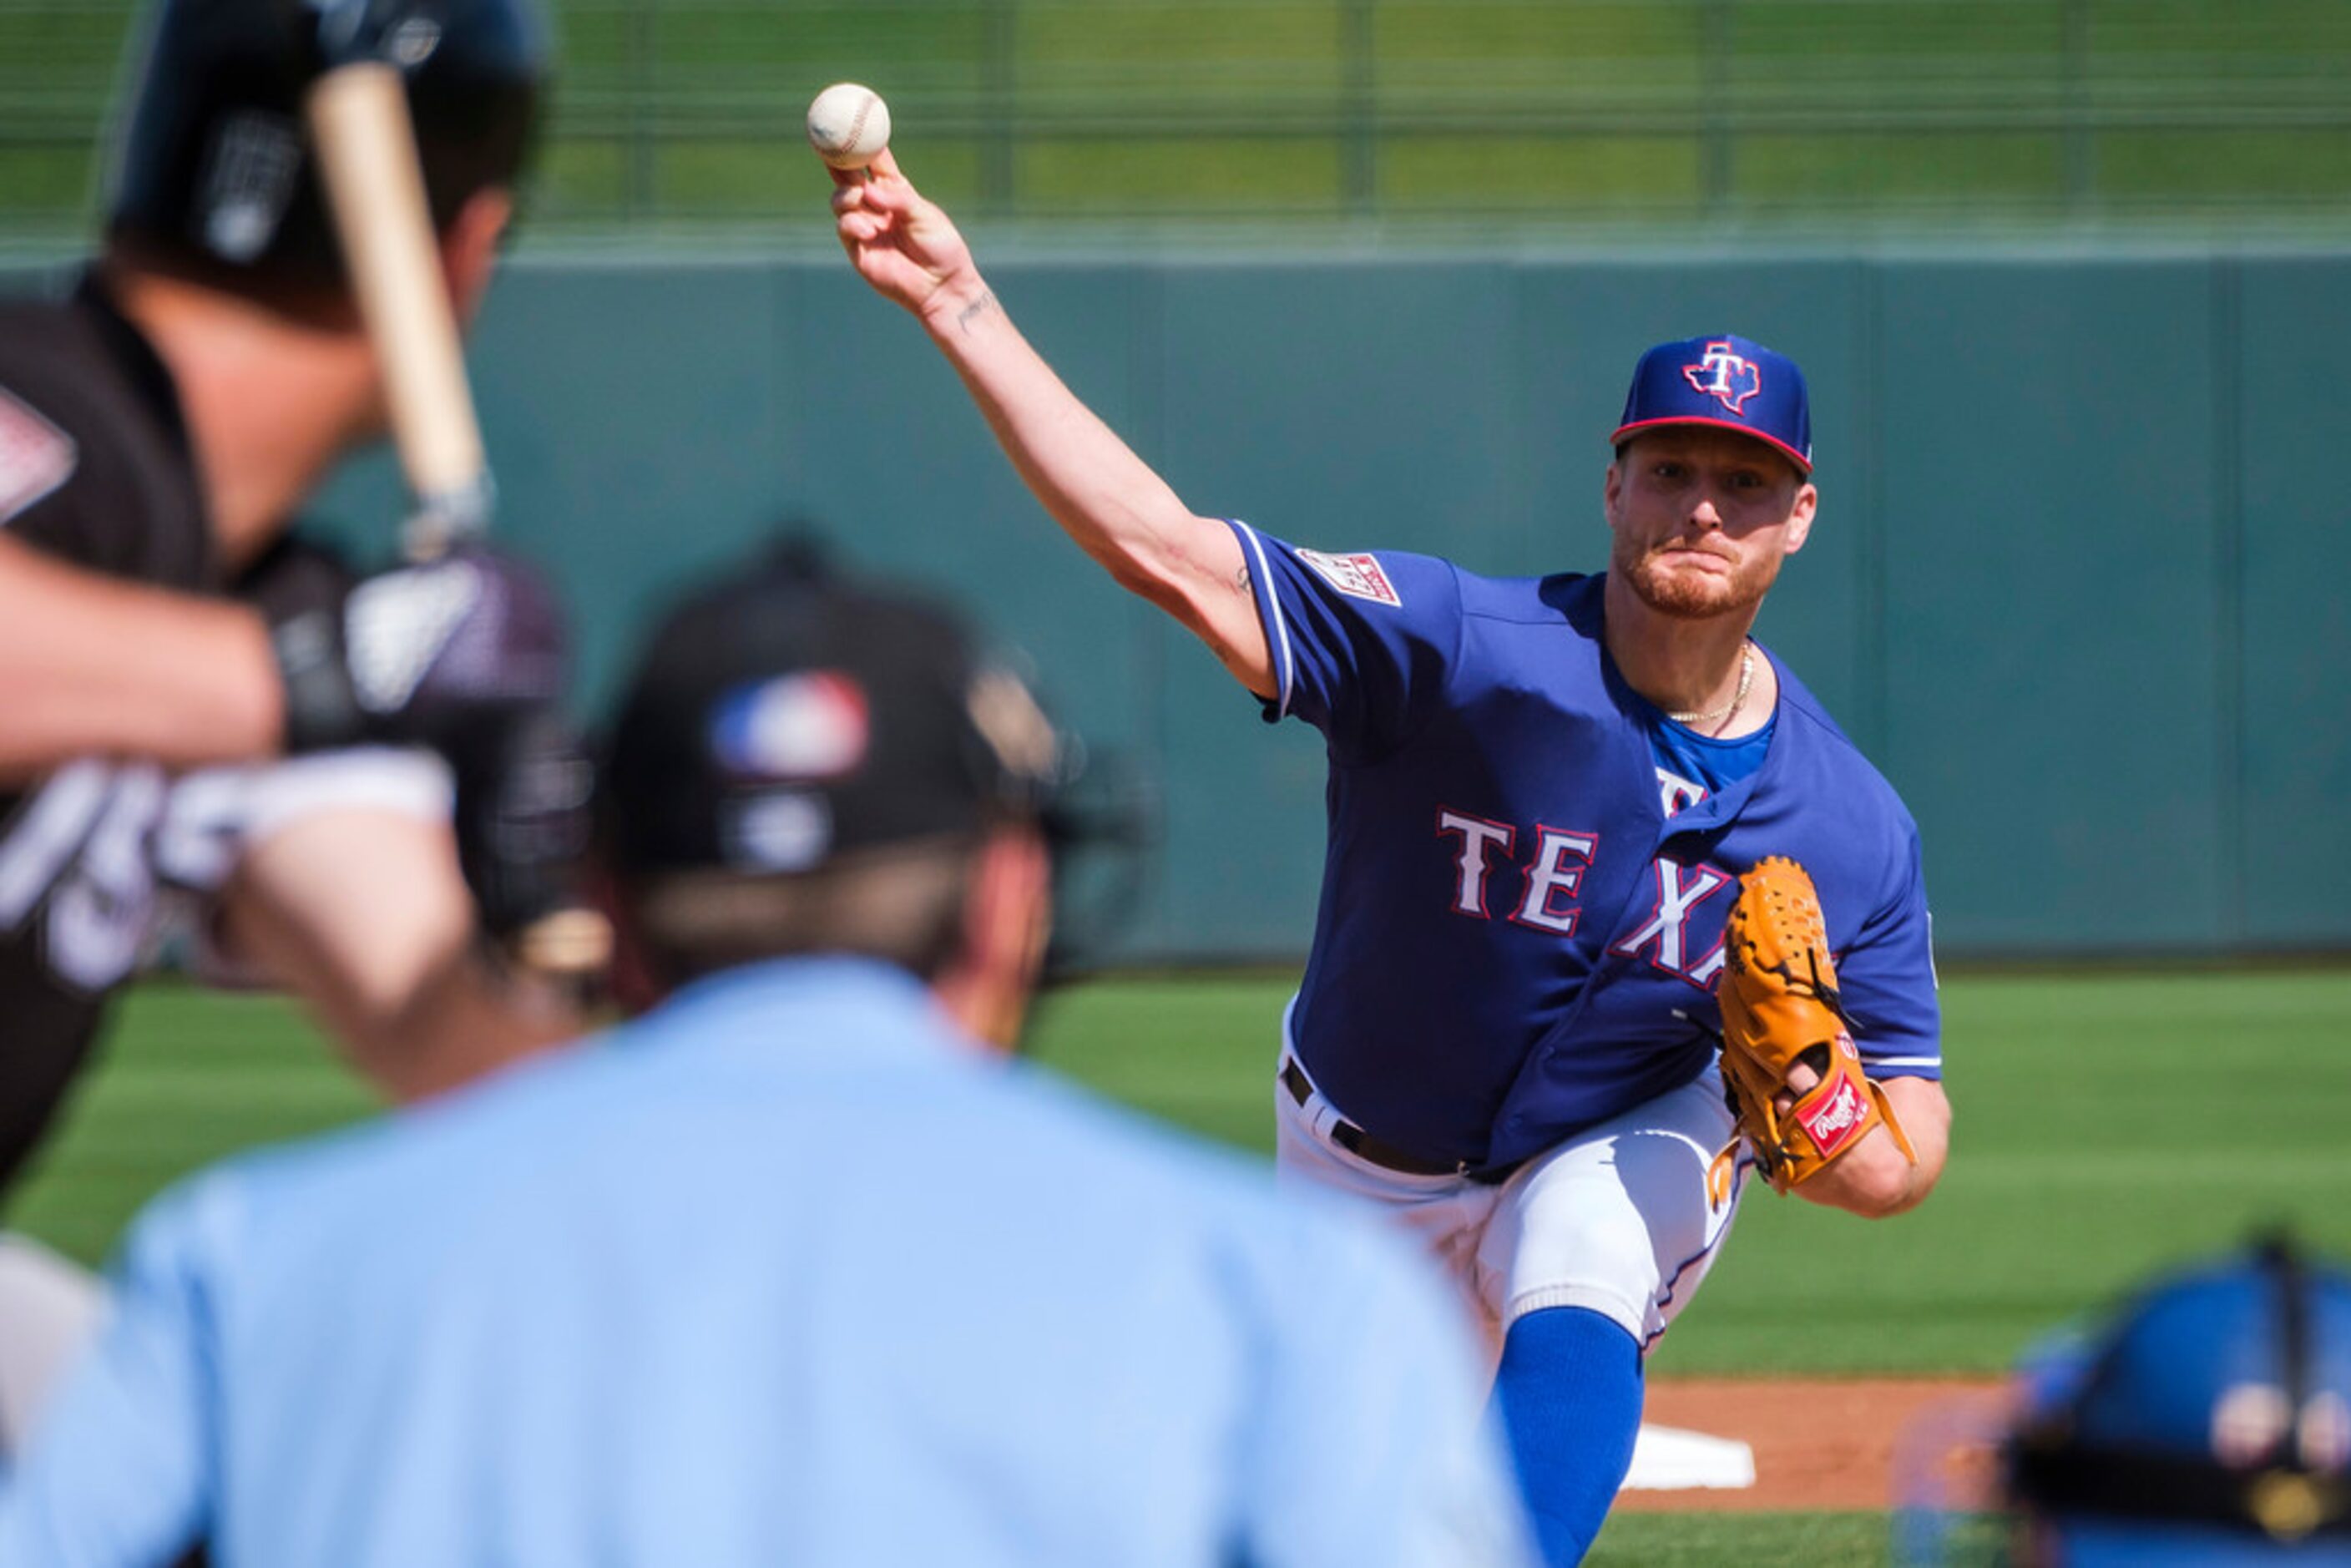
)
(1727, 381)
(788, 716)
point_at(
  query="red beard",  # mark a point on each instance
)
(1692, 595)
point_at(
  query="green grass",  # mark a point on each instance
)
(2104, 1126)
(1418, 173)
(2107, 1124)
(187, 1076)
(1710, 1539)
(1824, 112)
(1860, 167)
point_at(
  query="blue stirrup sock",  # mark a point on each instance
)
(1570, 1395)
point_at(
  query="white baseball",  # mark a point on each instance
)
(849, 125)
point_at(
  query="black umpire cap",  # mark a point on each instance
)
(788, 717)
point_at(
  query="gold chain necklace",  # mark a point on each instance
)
(1738, 698)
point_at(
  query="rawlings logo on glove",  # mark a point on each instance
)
(1780, 1010)
(1838, 1122)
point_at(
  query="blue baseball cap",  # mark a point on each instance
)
(2210, 1424)
(1725, 382)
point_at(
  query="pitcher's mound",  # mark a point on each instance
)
(1798, 1444)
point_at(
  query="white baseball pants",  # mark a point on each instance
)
(1615, 1220)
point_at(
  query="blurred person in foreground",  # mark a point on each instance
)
(797, 1267)
(197, 710)
(2206, 1423)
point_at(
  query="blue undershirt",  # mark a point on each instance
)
(1685, 758)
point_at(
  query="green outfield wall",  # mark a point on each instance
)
(2078, 583)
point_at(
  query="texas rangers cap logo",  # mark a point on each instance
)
(1727, 376)
(1724, 380)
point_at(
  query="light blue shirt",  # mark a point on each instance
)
(785, 1272)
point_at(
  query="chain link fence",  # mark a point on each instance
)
(1824, 117)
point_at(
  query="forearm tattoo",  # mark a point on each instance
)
(976, 308)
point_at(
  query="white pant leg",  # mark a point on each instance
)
(49, 1310)
(1616, 1219)
(1447, 1213)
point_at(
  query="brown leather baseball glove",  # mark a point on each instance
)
(1780, 1007)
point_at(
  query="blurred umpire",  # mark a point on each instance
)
(161, 635)
(2206, 1423)
(797, 1268)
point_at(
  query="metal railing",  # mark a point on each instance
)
(680, 112)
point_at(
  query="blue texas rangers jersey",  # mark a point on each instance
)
(1516, 940)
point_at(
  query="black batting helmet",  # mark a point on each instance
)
(213, 164)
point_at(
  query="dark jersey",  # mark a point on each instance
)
(95, 468)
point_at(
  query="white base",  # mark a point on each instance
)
(1667, 1458)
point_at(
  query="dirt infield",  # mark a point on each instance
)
(1818, 1444)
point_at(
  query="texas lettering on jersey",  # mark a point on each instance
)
(1543, 894)
(1524, 889)
(1678, 794)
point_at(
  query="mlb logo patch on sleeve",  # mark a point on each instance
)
(36, 456)
(1356, 576)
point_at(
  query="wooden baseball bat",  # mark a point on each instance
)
(360, 122)
(367, 155)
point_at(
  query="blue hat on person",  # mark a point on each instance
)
(1727, 381)
(2209, 1424)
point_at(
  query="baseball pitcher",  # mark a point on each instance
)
(1531, 1024)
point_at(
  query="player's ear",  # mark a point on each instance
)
(1800, 516)
(630, 979)
(1611, 486)
(469, 248)
(1006, 917)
